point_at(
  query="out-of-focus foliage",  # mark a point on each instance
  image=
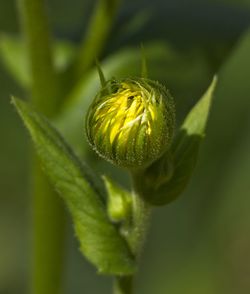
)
(199, 244)
(243, 3)
(14, 57)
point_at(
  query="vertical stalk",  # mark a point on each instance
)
(48, 236)
(35, 28)
(123, 285)
(141, 216)
(48, 212)
(96, 35)
(136, 235)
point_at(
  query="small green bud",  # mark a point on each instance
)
(131, 121)
(119, 201)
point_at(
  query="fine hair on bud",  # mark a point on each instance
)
(131, 122)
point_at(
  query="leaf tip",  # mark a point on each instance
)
(214, 83)
(18, 104)
(210, 91)
(14, 101)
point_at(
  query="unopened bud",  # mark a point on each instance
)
(131, 121)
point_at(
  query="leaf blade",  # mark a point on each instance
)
(100, 241)
(185, 151)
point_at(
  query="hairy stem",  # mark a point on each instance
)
(48, 212)
(141, 216)
(135, 235)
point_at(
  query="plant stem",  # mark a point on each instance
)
(135, 235)
(141, 216)
(96, 35)
(34, 24)
(48, 236)
(48, 211)
(123, 285)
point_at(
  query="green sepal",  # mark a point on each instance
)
(119, 201)
(100, 73)
(179, 162)
(99, 239)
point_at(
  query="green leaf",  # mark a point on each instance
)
(100, 241)
(14, 56)
(184, 153)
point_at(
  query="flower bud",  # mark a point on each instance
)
(130, 122)
(119, 204)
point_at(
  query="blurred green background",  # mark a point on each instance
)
(201, 242)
